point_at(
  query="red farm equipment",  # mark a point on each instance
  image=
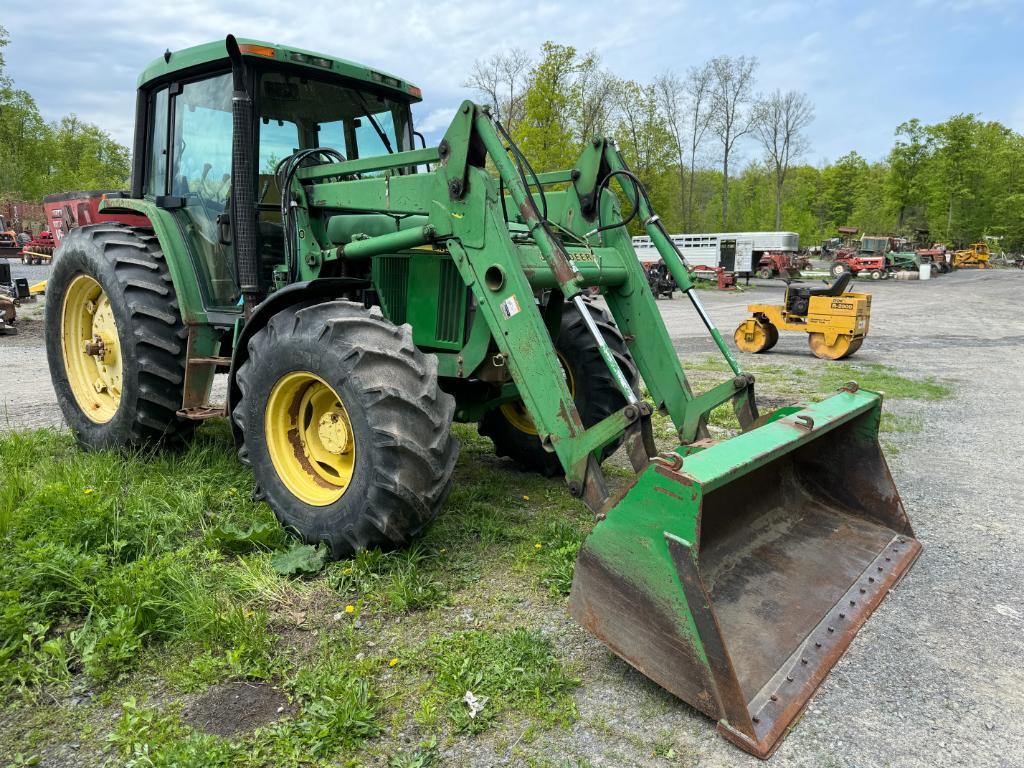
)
(781, 264)
(39, 249)
(66, 211)
(856, 256)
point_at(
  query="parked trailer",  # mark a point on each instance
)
(734, 252)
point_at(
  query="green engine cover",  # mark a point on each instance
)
(429, 294)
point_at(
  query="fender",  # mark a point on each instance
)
(303, 293)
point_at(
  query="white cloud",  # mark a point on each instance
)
(436, 120)
(862, 83)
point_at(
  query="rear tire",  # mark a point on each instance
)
(765, 274)
(595, 393)
(123, 270)
(395, 418)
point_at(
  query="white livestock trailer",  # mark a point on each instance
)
(737, 252)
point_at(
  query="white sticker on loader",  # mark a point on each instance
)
(510, 307)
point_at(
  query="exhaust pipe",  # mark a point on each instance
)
(243, 181)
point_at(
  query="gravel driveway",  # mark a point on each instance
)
(936, 676)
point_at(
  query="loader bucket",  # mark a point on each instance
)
(738, 577)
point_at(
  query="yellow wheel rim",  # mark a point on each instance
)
(516, 413)
(844, 346)
(91, 348)
(310, 439)
(751, 336)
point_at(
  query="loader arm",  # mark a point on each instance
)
(462, 203)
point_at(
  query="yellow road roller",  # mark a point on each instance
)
(835, 320)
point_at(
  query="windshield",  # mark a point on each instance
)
(297, 112)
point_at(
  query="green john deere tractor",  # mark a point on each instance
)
(363, 294)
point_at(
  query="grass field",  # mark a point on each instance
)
(139, 590)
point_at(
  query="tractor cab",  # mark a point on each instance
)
(186, 134)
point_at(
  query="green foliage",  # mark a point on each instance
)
(339, 707)
(545, 133)
(397, 581)
(299, 559)
(259, 536)
(514, 670)
(960, 179)
(37, 158)
(98, 563)
(147, 737)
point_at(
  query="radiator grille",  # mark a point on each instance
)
(450, 303)
(391, 279)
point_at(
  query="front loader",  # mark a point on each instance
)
(363, 294)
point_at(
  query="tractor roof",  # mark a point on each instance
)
(206, 53)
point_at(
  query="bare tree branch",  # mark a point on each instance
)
(732, 83)
(698, 90)
(779, 122)
(670, 92)
(501, 80)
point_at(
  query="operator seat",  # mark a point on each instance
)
(799, 299)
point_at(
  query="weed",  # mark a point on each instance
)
(894, 423)
(424, 756)
(299, 559)
(98, 563)
(394, 581)
(339, 705)
(506, 671)
(146, 737)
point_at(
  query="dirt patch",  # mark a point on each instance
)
(231, 708)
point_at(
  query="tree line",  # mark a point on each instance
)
(39, 158)
(684, 134)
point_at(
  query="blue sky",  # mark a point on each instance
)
(867, 66)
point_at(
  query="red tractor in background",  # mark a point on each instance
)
(856, 256)
(781, 264)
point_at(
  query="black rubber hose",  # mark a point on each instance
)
(521, 160)
(638, 190)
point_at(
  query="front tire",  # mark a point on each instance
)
(345, 426)
(837, 269)
(116, 343)
(511, 427)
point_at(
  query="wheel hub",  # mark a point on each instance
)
(91, 349)
(333, 432)
(309, 438)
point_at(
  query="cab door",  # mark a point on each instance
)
(188, 172)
